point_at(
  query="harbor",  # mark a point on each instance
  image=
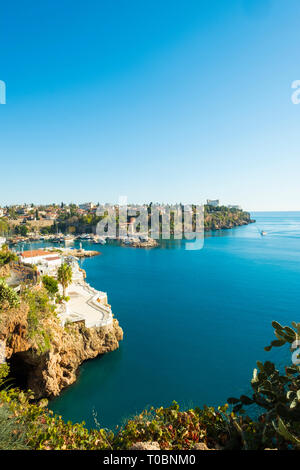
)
(137, 241)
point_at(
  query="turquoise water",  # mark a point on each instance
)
(194, 322)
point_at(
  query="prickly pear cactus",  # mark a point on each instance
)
(276, 393)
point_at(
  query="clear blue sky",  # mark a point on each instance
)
(161, 100)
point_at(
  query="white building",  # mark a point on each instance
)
(46, 261)
(87, 206)
(51, 216)
(213, 202)
(49, 265)
(2, 241)
(34, 256)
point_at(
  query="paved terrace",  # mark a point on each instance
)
(86, 304)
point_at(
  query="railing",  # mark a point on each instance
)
(106, 319)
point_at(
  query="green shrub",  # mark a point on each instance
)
(8, 296)
(4, 372)
(40, 309)
(12, 434)
(7, 256)
(51, 285)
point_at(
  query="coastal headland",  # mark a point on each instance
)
(66, 224)
(51, 319)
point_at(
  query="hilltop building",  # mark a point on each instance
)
(213, 202)
(87, 206)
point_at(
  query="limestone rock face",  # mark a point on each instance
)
(148, 445)
(201, 446)
(13, 329)
(5, 271)
(59, 367)
(47, 373)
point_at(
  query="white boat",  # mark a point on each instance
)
(69, 239)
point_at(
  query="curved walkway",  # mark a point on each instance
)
(83, 305)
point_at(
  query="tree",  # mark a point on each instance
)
(12, 214)
(64, 276)
(4, 227)
(22, 230)
(51, 285)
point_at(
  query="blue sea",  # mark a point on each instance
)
(194, 322)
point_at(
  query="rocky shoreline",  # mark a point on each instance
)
(81, 253)
(47, 373)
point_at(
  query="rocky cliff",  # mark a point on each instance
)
(46, 373)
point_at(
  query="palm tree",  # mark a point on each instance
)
(64, 276)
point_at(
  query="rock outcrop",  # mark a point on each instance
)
(5, 271)
(47, 373)
(148, 445)
(13, 329)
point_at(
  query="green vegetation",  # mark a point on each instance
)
(61, 298)
(228, 427)
(12, 435)
(277, 393)
(75, 223)
(4, 226)
(40, 310)
(22, 230)
(7, 256)
(223, 217)
(64, 276)
(4, 371)
(51, 285)
(8, 297)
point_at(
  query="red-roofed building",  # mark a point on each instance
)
(34, 256)
(46, 261)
